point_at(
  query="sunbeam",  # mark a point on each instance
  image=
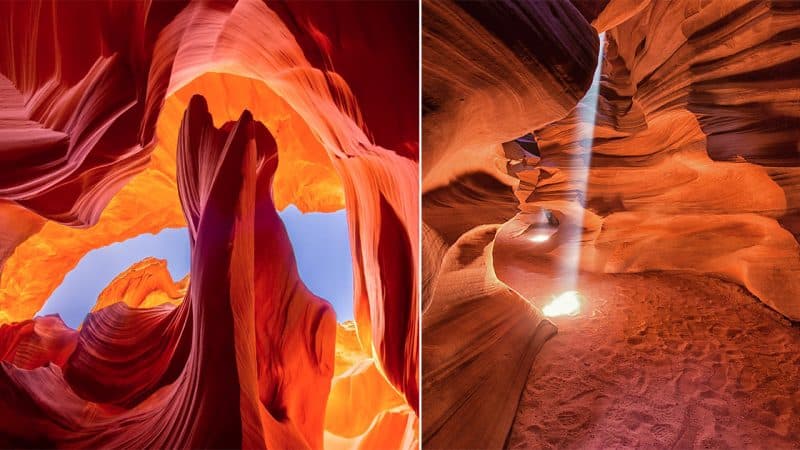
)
(579, 168)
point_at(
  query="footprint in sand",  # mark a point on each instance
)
(636, 419)
(573, 419)
(635, 340)
(663, 433)
(747, 380)
(732, 333)
(711, 442)
(718, 379)
(685, 384)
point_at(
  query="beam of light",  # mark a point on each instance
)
(579, 169)
(542, 229)
(566, 304)
(539, 238)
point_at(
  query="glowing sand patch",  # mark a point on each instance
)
(566, 304)
(539, 238)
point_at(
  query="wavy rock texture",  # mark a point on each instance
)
(691, 168)
(232, 325)
(491, 44)
(116, 174)
(694, 160)
(145, 284)
(491, 73)
(692, 165)
(472, 384)
(305, 176)
(379, 184)
(34, 343)
(71, 88)
(248, 352)
(56, 249)
(364, 411)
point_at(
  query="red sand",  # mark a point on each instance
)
(661, 361)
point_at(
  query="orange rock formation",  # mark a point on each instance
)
(516, 71)
(685, 175)
(99, 154)
(692, 166)
(145, 284)
(364, 411)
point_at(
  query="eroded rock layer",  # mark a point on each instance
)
(364, 411)
(472, 384)
(687, 162)
(145, 284)
(102, 140)
(227, 325)
(693, 165)
(491, 73)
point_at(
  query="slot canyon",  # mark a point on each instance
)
(611, 213)
(125, 118)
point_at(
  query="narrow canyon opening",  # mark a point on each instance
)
(321, 245)
(320, 242)
(610, 224)
(256, 128)
(665, 358)
(78, 293)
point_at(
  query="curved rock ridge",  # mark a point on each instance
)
(492, 72)
(693, 166)
(95, 85)
(305, 177)
(55, 249)
(73, 76)
(38, 342)
(499, 333)
(364, 410)
(343, 37)
(93, 136)
(379, 183)
(145, 284)
(227, 379)
(492, 45)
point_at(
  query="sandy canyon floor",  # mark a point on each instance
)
(661, 360)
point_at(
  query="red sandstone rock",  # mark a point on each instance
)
(364, 410)
(236, 403)
(73, 77)
(145, 284)
(248, 354)
(692, 166)
(492, 72)
(684, 174)
(480, 338)
(36, 343)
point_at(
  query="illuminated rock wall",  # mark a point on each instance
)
(491, 73)
(694, 161)
(693, 164)
(94, 153)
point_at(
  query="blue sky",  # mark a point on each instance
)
(320, 242)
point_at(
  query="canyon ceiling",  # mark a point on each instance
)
(123, 118)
